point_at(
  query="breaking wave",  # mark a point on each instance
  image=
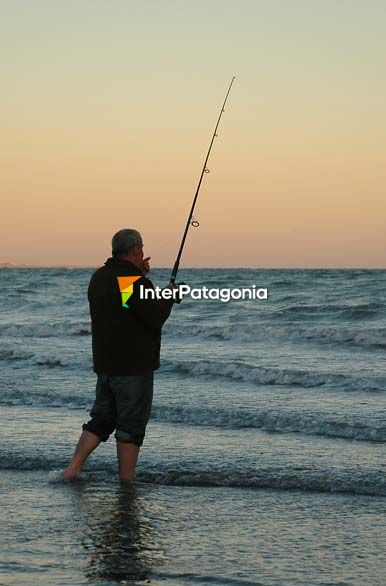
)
(45, 330)
(347, 426)
(368, 337)
(283, 477)
(274, 376)
(371, 337)
(274, 420)
(338, 311)
(34, 359)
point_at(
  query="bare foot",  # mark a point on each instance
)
(71, 473)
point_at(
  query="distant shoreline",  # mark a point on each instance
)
(6, 265)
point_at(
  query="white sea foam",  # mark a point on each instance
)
(56, 477)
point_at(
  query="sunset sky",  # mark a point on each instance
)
(108, 107)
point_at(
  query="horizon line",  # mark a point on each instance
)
(80, 267)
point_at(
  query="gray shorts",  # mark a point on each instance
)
(122, 403)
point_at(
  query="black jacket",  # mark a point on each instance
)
(125, 341)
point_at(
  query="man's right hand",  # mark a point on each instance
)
(170, 287)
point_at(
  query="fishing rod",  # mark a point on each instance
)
(191, 219)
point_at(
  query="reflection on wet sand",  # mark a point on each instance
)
(119, 539)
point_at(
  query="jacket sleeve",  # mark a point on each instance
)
(151, 312)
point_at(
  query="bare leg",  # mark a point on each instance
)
(127, 460)
(86, 444)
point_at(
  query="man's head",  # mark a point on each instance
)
(127, 245)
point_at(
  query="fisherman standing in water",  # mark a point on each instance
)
(126, 340)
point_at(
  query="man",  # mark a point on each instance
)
(126, 339)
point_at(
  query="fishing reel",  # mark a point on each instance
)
(177, 298)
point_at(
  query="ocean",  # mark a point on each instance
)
(264, 460)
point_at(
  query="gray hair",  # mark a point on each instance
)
(124, 241)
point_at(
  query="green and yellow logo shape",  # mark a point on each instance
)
(126, 288)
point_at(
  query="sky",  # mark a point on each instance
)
(108, 107)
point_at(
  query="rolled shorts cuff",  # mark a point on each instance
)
(129, 438)
(98, 429)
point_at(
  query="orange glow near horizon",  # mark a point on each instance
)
(108, 116)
